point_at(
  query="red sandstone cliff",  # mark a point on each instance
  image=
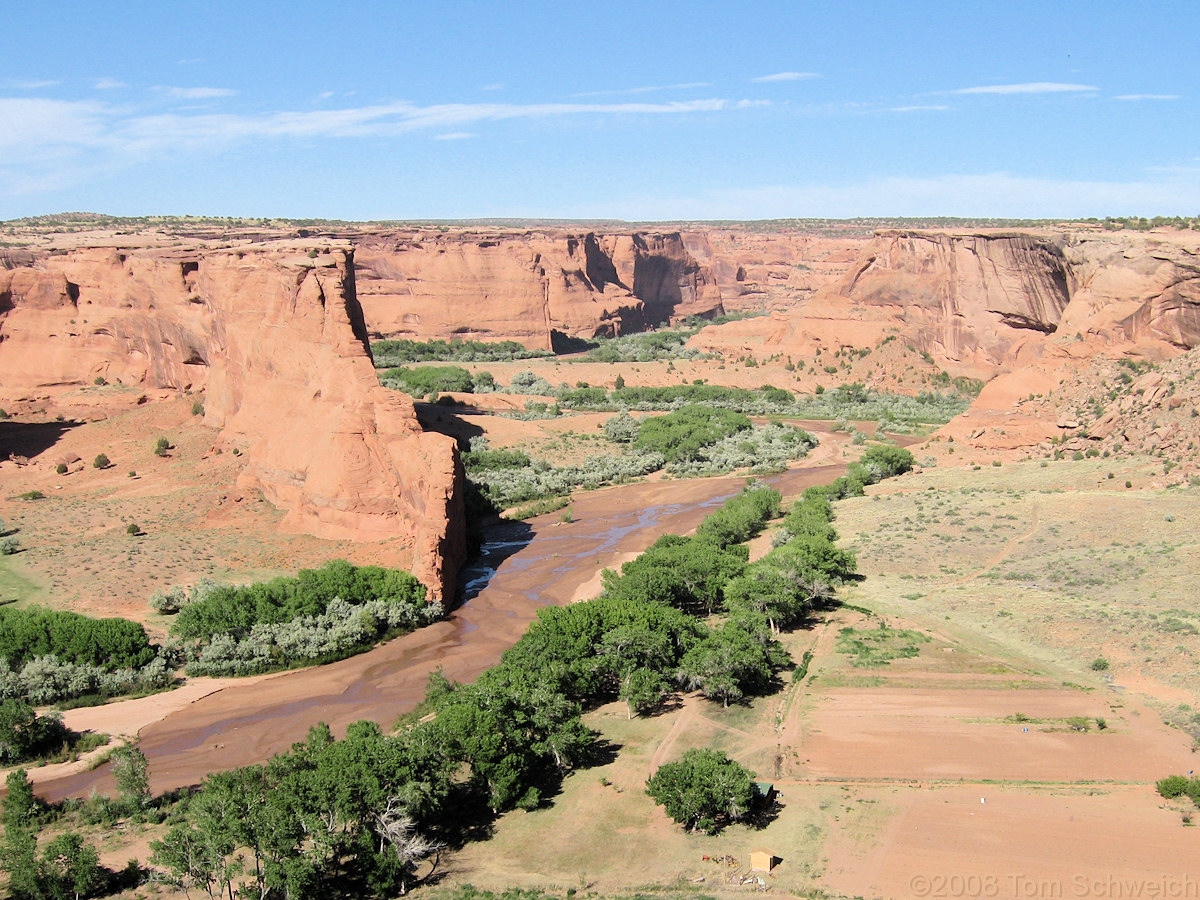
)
(987, 304)
(278, 342)
(531, 286)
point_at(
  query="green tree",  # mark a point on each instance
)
(730, 663)
(101, 461)
(69, 868)
(19, 853)
(703, 789)
(132, 774)
(24, 734)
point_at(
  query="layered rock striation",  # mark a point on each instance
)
(276, 338)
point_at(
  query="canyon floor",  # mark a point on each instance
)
(954, 771)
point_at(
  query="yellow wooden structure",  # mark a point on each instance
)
(762, 860)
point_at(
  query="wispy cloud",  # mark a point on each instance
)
(64, 140)
(646, 90)
(1147, 97)
(29, 85)
(1032, 87)
(497, 86)
(906, 109)
(455, 136)
(784, 76)
(195, 93)
(108, 84)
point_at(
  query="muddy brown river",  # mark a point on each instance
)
(526, 566)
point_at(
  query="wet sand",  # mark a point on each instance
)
(543, 561)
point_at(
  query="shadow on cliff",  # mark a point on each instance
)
(500, 541)
(444, 419)
(30, 439)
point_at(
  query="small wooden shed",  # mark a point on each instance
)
(762, 860)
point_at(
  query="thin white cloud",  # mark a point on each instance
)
(37, 128)
(784, 76)
(646, 90)
(1147, 97)
(63, 142)
(1032, 87)
(905, 109)
(455, 136)
(108, 84)
(497, 86)
(324, 95)
(30, 85)
(195, 93)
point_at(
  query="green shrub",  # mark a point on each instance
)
(1172, 786)
(680, 435)
(197, 408)
(101, 461)
(61, 469)
(393, 353)
(9, 546)
(425, 380)
(32, 495)
(235, 610)
(110, 643)
(133, 528)
(1099, 664)
(161, 446)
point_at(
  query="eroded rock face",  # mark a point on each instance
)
(986, 304)
(529, 286)
(277, 340)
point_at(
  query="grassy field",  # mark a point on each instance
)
(1059, 561)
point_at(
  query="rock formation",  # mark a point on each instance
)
(276, 338)
(532, 286)
(984, 304)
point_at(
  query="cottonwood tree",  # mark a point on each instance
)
(703, 789)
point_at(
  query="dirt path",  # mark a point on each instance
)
(684, 719)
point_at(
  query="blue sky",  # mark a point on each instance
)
(638, 111)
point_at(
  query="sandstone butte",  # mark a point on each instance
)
(277, 341)
(277, 338)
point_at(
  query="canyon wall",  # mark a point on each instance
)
(276, 338)
(984, 304)
(537, 287)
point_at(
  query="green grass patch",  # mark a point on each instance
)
(879, 646)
